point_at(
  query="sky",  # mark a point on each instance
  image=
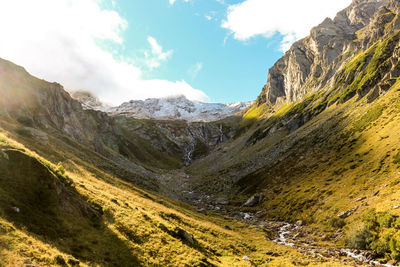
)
(121, 50)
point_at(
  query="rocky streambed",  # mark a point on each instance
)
(309, 241)
(293, 235)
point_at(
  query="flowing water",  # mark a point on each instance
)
(286, 238)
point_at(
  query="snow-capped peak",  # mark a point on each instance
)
(169, 108)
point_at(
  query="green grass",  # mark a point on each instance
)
(56, 221)
(369, 117)
(254, 114)
(379, 231)
(343, 153)
(365, 70)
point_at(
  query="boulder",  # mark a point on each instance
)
(163, 227)
(60, 260)
(247, 216)
(184, 236)
(272, 253)
(254, 200)
(115, 201)
(178, 233)
(222, 201)
(360, 199)
(300, 223)
(73, 262)
(16, 209)
(28, 263)
(246, 258)
(202, 210)
(347, 213)
(326, 238)
(3, 155)
(298, 235)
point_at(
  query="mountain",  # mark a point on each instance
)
(170, 108)
(307, 175)
(81, 188)
(89, 101)
(321, 143)
(312, 63)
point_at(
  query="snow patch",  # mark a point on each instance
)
(171, 108)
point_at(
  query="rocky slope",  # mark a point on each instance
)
(171, 108)
(312, 63)
(360, 50)
(364, 68)
(89, 101)
(321, 144)
(43, 108)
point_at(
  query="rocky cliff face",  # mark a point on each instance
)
(188, 140)
(343, 78)
(311, 63)
(42, 109)
(89, 101)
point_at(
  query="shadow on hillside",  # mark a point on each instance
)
(333, 156)
(43, 204)
(298, 151)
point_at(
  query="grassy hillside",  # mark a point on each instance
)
(68, 213)
(336, 150)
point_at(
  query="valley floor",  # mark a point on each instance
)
(135, 227)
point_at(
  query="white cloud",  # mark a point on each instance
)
(156, 56)
(212, 15)
(171, 2)
(291, 18)
(62, 41)
(194, 70)
(288, 40)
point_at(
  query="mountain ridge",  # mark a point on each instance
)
(311, 63)
(167, 108)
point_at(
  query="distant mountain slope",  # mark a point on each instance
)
(41, 107)
(170, 108)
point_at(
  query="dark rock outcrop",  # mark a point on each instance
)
(254, 200)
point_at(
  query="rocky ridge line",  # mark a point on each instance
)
(311, 63)
(168, 109)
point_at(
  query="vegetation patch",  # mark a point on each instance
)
(370, 116)
(396, 158)
(379, 231)
(365, 70)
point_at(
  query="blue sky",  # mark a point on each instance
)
(207, 50)
(231, 70)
